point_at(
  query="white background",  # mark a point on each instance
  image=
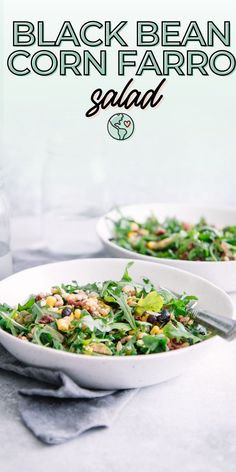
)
(184, 150)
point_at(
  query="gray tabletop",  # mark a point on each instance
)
(188, 422)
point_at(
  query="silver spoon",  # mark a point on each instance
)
(223, 326)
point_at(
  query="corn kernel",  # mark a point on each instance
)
(151, 245)
(132, 234)
(51, 301)
(77, 314)
(88, 351)
(156, 330)
(63, 324)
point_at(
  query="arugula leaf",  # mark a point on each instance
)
(147, 286)
(37, 312)
(126, 277)
(178, 332)
(10, 324)
(152, 302)
(105, 293)
(94, 323)
(155, 343)
(180, 305)
(28, 304)
(48, 336)
(127, 313)
(5, 308)
(101, 325)
(70, 288)
(119, 326)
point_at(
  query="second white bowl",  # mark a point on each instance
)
(220, 273)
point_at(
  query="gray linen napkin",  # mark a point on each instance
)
(61, 409)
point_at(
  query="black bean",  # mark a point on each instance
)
(163, 318)
(66, 311)
(159, 319)
(152, 319)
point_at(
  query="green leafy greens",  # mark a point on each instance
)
(174, 239)
(111, 318)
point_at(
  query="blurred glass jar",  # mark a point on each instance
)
(74, 195)
(5, 252)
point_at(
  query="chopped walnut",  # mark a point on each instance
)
(129, 290)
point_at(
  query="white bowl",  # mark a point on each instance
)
(111, 372)
(220, 273)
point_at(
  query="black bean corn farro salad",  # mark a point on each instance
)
(175, 239)
(111, 318)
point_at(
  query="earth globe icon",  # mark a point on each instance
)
(120, 126)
